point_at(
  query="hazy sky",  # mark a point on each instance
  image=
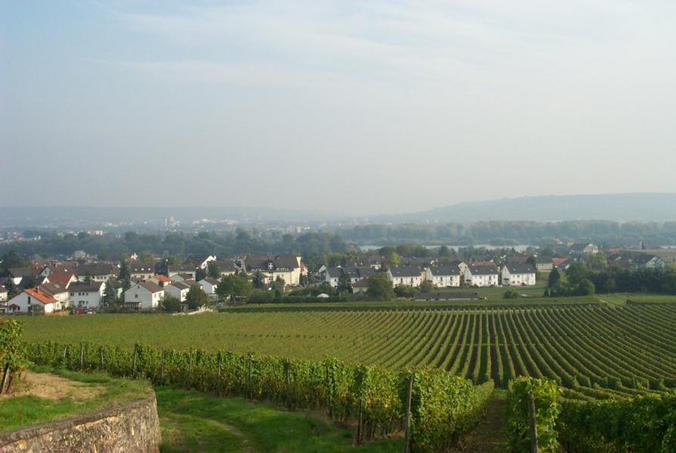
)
(361, 107)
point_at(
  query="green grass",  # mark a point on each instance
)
(19, 411)
(194, 422)
(621, 298)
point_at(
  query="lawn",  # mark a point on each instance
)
(195, 422)
(57, 393)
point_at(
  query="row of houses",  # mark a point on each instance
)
(441, 276)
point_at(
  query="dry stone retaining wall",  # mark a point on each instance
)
(128, 428)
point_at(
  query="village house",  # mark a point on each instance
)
(444, 275)
(178, 290)
(86, 295)
(97, 272)
(287, 267)
(3, 294)
(331, 275)
(160, 280)
(19, 275)
(144, 295)
(544, 264)
(583, 248)
(34, 300)
(406, 275)
(518, 274)
(140, 272)
(209, 285)
(481, 275)
(62, 278)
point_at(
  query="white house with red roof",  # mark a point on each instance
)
(145, 294)
(34, 300)
(160, 280)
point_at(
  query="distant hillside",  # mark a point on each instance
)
(619, 207)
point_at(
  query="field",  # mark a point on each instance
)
(596, 350)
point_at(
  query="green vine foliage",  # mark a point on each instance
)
(547, 408)
(12, 351)
(444, 406)
(643, 424)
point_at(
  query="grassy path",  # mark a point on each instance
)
(194, 422)
(490, 435)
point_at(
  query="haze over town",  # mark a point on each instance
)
(343, 106)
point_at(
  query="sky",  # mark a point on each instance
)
(351, 107)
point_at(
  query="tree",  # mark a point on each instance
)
(575, 273)
(532, 261)
(171, 304)
(554, 278)
(212, 270)
(379, 287)
(444, 252)
(404, 291)
(233, 285)
(196, 298)
(426, 287)
(586, 288)
(344, 284)
(12, 289)
(124, 271)
(109, 294)
(258, 280)
(511, 294)
(28, 282)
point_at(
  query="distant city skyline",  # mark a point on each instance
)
(362, 108)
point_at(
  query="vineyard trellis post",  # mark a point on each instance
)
(81, 356)
(288, 383)
(532, 422)
(187, 376)
(134, 364)
(101, 356)
(248, 381)
(162, 366)
(218, 377)
(359, 418)
(407, 426)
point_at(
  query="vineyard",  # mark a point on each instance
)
(593, 350)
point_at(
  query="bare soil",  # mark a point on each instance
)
(51, 386)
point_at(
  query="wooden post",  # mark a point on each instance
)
(81, 356)
(407, 425)
(288, 384)
(187, 377)
(533, 426)
(101, 357)
(359, 424)
(248, 381)
(4, 377)
(218, 386)
(133, 371)
(162, 367)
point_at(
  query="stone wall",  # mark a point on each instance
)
(130, 427)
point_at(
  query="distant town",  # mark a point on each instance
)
(84, 283)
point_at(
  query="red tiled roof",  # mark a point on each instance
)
(62, 278)
(41, 296)
(162, 278)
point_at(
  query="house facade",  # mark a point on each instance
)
(519, 274)
(146, 295)
(483, 275)
(287, 267)
(34, 300)
(407, 276)
(179, 290)
(86, 295)
(443, 276)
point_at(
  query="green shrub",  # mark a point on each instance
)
(546, 394)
